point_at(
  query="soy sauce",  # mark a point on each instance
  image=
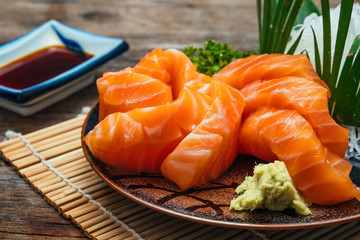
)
(38, 67)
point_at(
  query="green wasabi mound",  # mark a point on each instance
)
(270, 188)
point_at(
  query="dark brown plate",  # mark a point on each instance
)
(210, 204)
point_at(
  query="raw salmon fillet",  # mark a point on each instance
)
(287, 82)
(308, 98)
(209, 150)
(140, 139)
(243, 71)
(145, 111)
(171, 117)
(126, 90)
(286, 117)
(156, 80)
(322, 176)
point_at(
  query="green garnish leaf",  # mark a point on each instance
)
(326, 68)
(317, 54)
(349, 60)
(346, 103)
(343, 83)
(308, 7)
(344, 22)
(276, 20)
(296, 43)
(290, 20)
(213, 56)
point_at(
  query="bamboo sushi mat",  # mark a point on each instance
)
(52, 161)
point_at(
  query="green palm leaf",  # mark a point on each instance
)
(278, 18)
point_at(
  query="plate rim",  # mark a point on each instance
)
(214, 222)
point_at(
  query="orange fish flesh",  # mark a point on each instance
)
(322, 176)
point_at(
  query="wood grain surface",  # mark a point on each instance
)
(144, 25)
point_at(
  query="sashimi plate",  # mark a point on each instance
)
(210, 204)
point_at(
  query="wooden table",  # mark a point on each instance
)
(24, 214)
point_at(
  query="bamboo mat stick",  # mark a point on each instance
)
(21, 145)
(153, 231)
(124, 206)
(48, 132)
(92, 181)
(69, 191)
(142, 220)
(103, 219)
(69, 198)
(108, 199)
(46, 180)
(43, 184)
(117, 205)
(87, 209)
(152, 224)
(112, 233)
(77, 195)
(43, 147)
(126, 235)
(56, 162)
(78, 170)
(166, 230)
(213, 233)
(106, 229)
(78, 164)
(87, 216)
(198, 233)
(39, 176)
(143, 213)
(129, 212)
(230, 233)
(63, 190)
(193, 227)
(50, 153)
(78, 173)
(104, 200)
(335, 234)
(80, 210)
(89, 229)
(351, 234)
(73, 204)
(187, 227)
(18, 152)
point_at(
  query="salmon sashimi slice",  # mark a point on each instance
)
(322, 176)
(126, 90)
(241, 72)
(167, 66)
(147, 110)
(157, 79)
(155, 64)
(140, 139)
(308, 98)
(209, 150)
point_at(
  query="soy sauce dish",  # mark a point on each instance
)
(49, 64)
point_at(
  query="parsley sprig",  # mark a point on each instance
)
(213, 56)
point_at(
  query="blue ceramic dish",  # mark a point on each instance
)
(49, 34)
